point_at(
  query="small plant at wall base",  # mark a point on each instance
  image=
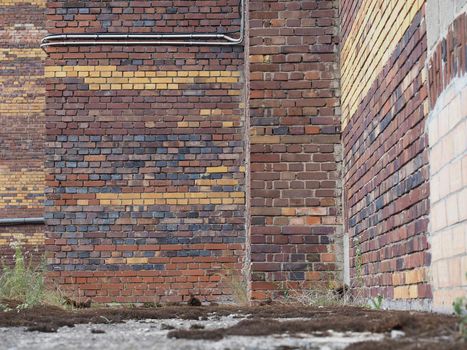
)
(24, 284)
(460, 309)
(237, 284)
(357, 283)
(377, 302)
(358, 263)
(318, 295)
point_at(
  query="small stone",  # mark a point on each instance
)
(197, 326)
(166, 327)
(395, 334)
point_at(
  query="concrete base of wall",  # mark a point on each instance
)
(417, 304)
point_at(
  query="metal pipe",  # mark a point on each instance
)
(146, 42)
(21, 221)
(99, 39)
(135, 36)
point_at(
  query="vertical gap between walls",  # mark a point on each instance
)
(246, 273)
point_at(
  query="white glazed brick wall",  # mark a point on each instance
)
(447, 128)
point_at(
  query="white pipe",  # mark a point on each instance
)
(64, 38)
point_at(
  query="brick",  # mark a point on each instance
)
(284, 137)
(22, 118)
(386, 190)
(139, 145)
(146, 149)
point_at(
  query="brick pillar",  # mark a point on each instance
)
(295, 144)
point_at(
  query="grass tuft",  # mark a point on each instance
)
(238, 287)
(460, 310)
(24, 284)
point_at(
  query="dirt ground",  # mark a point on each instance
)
(401, 329)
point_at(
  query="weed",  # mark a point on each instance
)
(317, 296)
(377, 302)
(149, 304)
(285, 291)
(358, 263)
(357, 283)
(24, 283)
(335, 293)
(460, 309)
(238, 286)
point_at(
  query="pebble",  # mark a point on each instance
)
(395, 334)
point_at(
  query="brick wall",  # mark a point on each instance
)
(447, 127)
(295, 153)
(384, 103)
(448, 59)
(170, 167)
(22, 100)
(148, 147)
(146, 154)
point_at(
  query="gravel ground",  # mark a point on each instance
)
(152, 334)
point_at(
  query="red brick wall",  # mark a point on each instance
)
(170, 167)
(386, 167)
(150, 148)
(22, 103)
(146, 151)
(147, 148)
(448, 59)
(294, 117)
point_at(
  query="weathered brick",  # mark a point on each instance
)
(156, 135)
(22, 120)
(384, 144)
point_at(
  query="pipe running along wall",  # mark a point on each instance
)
(21, 221)
(149, 39)
(133, 39)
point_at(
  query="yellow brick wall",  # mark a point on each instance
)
(23, 188)
(41, 3)
(34, 239)
(22, 120)
(174, 198)
(113, 78)
(378, 27)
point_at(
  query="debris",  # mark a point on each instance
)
(165, 326)
(395, 334)
(97, 331)
(194, 301)
(78, 304)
